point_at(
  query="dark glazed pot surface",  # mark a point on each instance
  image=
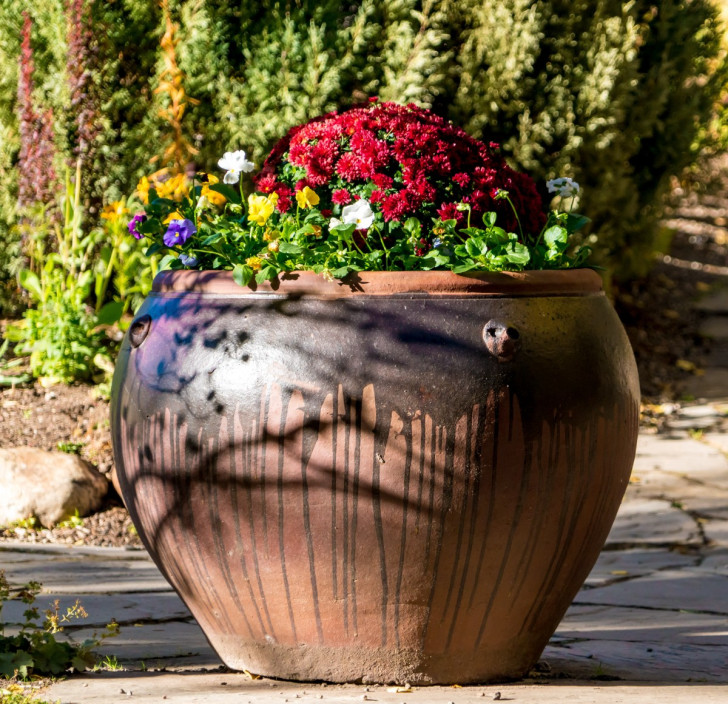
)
(405, 477)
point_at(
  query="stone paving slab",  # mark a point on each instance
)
(148, 645)
(715, 560)
(717, 440)
(62, 575)
(653, 521)
(649, 661)
(628, 624)
(226, 688)
(123, 607)
(615, 565)
(685, 589)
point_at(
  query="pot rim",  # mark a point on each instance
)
(563, 282)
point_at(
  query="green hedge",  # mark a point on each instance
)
(610, 93)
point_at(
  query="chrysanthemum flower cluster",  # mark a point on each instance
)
(377, 187)
(406, 162)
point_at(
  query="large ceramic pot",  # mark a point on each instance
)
(404, 478)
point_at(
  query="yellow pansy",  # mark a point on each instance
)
(174, 188)
(307, 198)
(260, 208)
(114, 211)
(173, 216)
(142, 189)
(213, 196)
(255, 263)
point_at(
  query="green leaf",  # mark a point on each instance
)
(413, 226)
(7, 668)
(83, 661)
(433, 259)
(489, 219)
(167, 261)
(341, 272)
(343, 231)
(230, 193)
(154, 248)
(266, 274)
(110, 313)
(518, 254)
(465, 266)
(214, 237)
(242, 274)
(555, 236)
(497, 235)
(474, 247)
(31, 283)
(289, 248)
(574, 222)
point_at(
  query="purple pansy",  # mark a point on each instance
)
(138, 219)
(188, 260)
(178, 232)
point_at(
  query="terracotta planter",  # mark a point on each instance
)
(406, 478)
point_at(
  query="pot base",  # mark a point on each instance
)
(312, 663)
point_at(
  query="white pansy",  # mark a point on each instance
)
(334, 222)
(359, 214)
(235, 163)
(564, 187)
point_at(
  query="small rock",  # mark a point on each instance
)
(698, 411)
(48, 485)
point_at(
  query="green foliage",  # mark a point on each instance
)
(17, 693)
(35, 648)
(13, 378)
(60, 332)
(259, 244)
(611, 93)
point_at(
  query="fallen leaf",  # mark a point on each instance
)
(251, 675)
(685, 365)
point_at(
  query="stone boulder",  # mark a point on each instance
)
(48, 485)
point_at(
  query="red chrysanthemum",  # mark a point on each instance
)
(341, 197)
(406, 161)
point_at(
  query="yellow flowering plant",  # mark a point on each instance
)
(203, 222)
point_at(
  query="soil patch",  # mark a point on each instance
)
(72, 419)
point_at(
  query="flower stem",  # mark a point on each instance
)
(384, 247)
(518, 220)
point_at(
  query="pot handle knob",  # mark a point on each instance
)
(503, 341)
(139, 330)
